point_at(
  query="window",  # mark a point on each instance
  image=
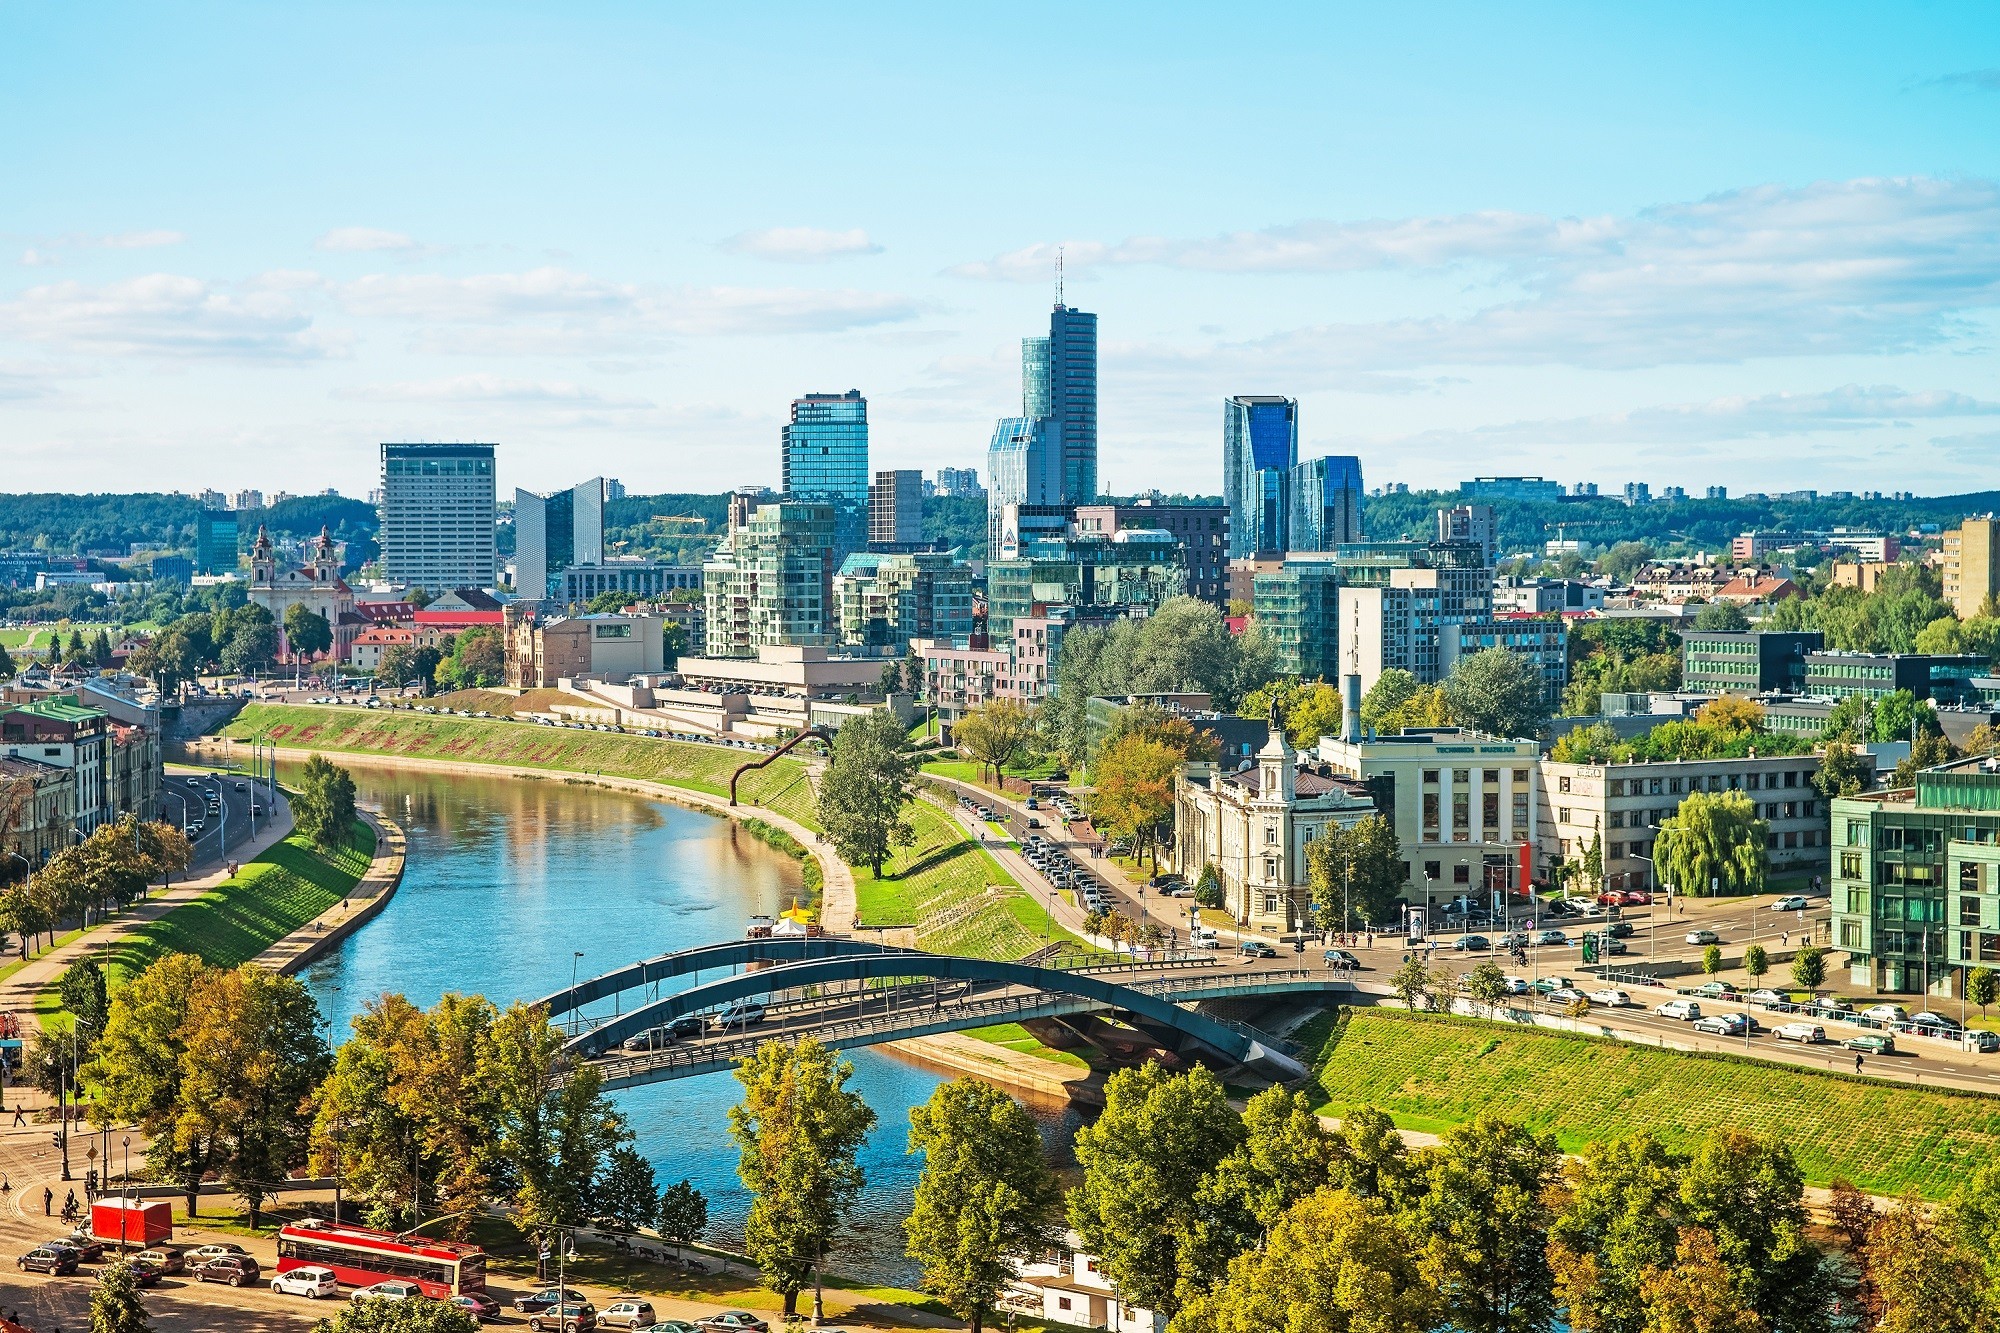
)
(1431, 776)
(1968, 911)
(1461, 874)
(1809, 809)
(1617, 851)
(1270, 904)
(1791, 809)
(1461, 815)
(1750, 782)
(1433, 869)
(1430, 816)
(1673, 786)
(1968, 880)
(1989, 948)
(1850, 934)
(1617, 786)
(1792, 779)
(1562, 814)
(1562, 785)
(1270, 835)
(1462, 776)
(1270, 867)
(1520, 777)
(1617, 819)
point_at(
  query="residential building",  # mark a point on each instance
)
(247, 499)
(1916, 880)
(1465, 806)
(553, 532)
(1471, 523)
(1037, 647)
(1201, 530)
(770, 582)
(1297, 606)
(1755, 662)
(1638, 493)
(1862, 575)
(1947, 679)
(1073, 399)
(1024, 466)
(608, 647)
(40, 798)
(960, 677)
(960, 481)
(1514, 488)
(824, 450)
(886, 600)
(1399, 594)
(1131, 571)
(439, 508)
(216, 537)
(1325, 504)
(1067, 1286)
(1873, 548)
(1260, 447)
(1679, 581)
(639, 579)
(1520, 593)
(614, 489)
(1583, 490)
(1253, 823)
(1757, 590)
(213, 499)
(896, 508)
(1622, 805)
(1716, 493)
(1972, 565)
(1750, 548)
(1543, 641)
(57, 730)
(277, 586)
(375, 642)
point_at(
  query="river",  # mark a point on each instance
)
(507, 879)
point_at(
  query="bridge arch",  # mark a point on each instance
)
(687, 962)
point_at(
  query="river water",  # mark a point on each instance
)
(507, 879)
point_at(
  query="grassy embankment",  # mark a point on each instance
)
(1430, 1072)
(267, 899)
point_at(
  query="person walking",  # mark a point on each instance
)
(1857, 1062)
(48, 1201)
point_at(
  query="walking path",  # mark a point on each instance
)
(385, 873)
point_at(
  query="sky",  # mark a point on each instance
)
(1690, 244)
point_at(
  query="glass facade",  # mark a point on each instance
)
(825, 448)
(1023, 467)
(1034, 377)
(1298, 607)
(1134, 572)
(1073, 399)
(770, 581)
(1260, 447)
(215, 540)
(887, 600)
(1325, 503)
(553, 532)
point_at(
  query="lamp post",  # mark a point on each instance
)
(574, 958)
(125, 1194)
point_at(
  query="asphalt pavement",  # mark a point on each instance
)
(228, 808)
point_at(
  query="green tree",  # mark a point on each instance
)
(1487, 985)
(7, 668)
(985, 1195)
(1412, 984)
(626, 1191)
(252, 643)
(556, 1126)
(1617, 1224)
(477, 659)
(115, 1306)
(1208, 887)
(1355, 871)
(996, 733)
(1843, 770)
(1925, 752)
(306, 632)
(1497, 691)
(323, 810)
(79, 651)
(1711, 959)
(1982, 987)
(1749, 1194)
(865, 788)
(1371, 1160)
(1696, 1293)
(799, 1130)
(1713, 837)
(1482, 1223)
(1311, 708)
(1286, 1154)
(1756, 961)
(1928, 1281)
(138, 1072)
(85, 999)
(1809, 968)
(1135, 790)
(1138, 1207)
(416, 1316)
(683, 1214)
(1721, 618)
(251, 1054)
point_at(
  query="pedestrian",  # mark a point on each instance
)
(1857, 1062)
(1785, 939)
(18, 1121)
(48, 1201)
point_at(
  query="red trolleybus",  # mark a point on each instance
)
(361, 1258)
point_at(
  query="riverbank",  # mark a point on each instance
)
(360, 905)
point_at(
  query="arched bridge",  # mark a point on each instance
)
(849, 993)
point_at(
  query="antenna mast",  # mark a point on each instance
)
(1059, 276)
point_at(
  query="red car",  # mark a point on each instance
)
(1637, 898)
(1612, 898)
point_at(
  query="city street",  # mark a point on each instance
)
(240, 811)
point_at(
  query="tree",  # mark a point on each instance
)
(138, 1070)
(1285, 1155)
(1487, 985)
(1927, 1280)
(1356, 871)
(1150, 721)
(324, 808)
(1497, 691)
(1721, 618)
(626, 1192)
(1311, 709)
(1616, 1225)
(1412, 984)
(1481, 1224)
(865, 787)
(1982, 987)
(1397, 701)
(1748, 1193)
(799, 1131)
(1135, 789)
(1208, 887)
(1732, 713)
(252, 642)
(1925, 752)
(996, 733)
(7, 668)
(1697, 1293)
(683, 1214)
(985, 1195)
(477, 659)
(1711, 959)
(84, 997)
(1713, 837)
(1843, 770)
(1138, 1206)
(1809, 968)
(306, 632)
(1756, 961)
(414, 1316)
(115, 1306)
(556, 1126)
(1852, 1215)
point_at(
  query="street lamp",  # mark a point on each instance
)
(574, 959)
(125, 1195)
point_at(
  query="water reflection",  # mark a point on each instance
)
(509, 879)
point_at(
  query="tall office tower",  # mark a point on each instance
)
(553, 532)
(959, 481)
(1326, 503)
(826, 447)
(1471, 523)
(1024, 465)
(896, 508)
(1260, 447)
(1073, 399)
(215, 541)
(438, 512)
(1034, 377)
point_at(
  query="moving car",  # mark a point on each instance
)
(1714, 990)
(235, 1269)
(545, 1299)
(88, 1247)
(1568, 995)
(1472, 943)
(1612, 998)
(1703, 937)
(1687, 1011)
(742, 1014)
(1936, 1025)
(733, 1321)
(1550, 985)
(1873, 1043)
(51, 1259)
(1257, 949)
(1809, 1034)
(311, 1283)
(478, 1304)
(1721, 1025)
(627, 1312)
(1790, 903)
(1551, 937)
(1620, 930)
(1514, 985)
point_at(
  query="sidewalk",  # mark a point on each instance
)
(385, 873)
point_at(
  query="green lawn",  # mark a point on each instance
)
(784, 786)
(1430, 1072)
(268, 899)
(1017, 1038)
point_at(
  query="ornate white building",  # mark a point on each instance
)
(317, 584)
(1253, 825)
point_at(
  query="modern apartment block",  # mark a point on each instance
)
(1297, 606)
(1622, 805)
(1972, 565)
(1201, 530)
(896, 508)
(217, 539)
(1260, 447)
(641, 579)
(1396, 597)
(1513, 488)
(555, 531)
(1325, 504)
(770, 582)
(1133, 571)
(1471, 523)
(886, 600)
(1754, 662)
(439, 507)
(1916, 880)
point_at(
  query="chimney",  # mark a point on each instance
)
(1350, 708)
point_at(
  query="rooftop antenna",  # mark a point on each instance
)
(1059, 277)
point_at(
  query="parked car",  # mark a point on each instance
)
(235, 1269)
(201, 1254)
(478, 1304)
(733, 1321)
(1472, 943)
(627, 1312)
(1703, 937)
(1551, 937)
(1256, 949)
(311, 1283)
(1768, 996)
(1872, 1043)
(166, 1258)
(143, 1273)
(88, 1247)
(1612, 897)
(1936, 1024)
(1790, 903)
(545, 1299)
(1714, 990)
(1638, 898)
(1886, 1013)
(569, 1319)
(51, 1259)
(1518, 939)
(1810, 1034)
(1612, 998)
(1687, 1011)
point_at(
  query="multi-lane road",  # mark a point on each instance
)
(220, 811)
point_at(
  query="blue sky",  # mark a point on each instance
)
(1756, 246)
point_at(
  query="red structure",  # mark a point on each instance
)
(133, 1223)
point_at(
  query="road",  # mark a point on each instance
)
(185, 798)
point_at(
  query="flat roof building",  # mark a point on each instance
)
(439, 507)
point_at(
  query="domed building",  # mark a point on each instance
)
(277, 586)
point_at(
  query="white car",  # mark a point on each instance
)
(1793, 903)
(1886, 1013)
(1515, 985)
(390, 1291)
(1703, 937)
(1687, 1011)
(1612, 998)
(311, 1283)
(1809, 1034)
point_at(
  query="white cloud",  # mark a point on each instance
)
(165, 314)
(366, 240)
(489, 389)
(33, 258)
(801, 245)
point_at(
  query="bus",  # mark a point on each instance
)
(361, 1258)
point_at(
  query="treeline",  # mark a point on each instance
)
(65, 524)
(106, 871)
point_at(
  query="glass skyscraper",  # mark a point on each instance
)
(826, 447)
(1073, 399)
(1023, 467)
(1326, 504)
(1034, 377)
(553, 532)
(1260, 447)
